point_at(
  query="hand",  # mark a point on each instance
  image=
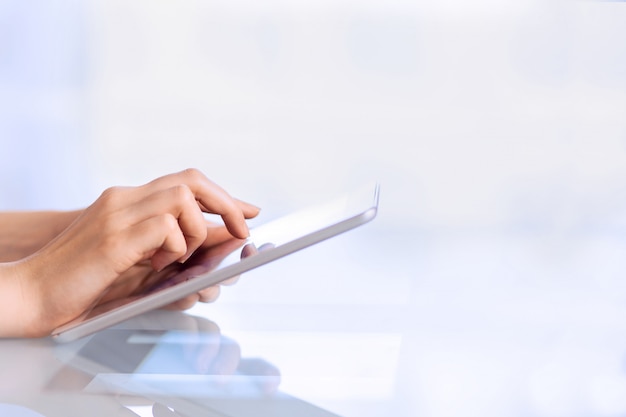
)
(125, 231)
(142, 279)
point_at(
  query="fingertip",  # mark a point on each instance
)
(237, 227)
(239, 233)
(249, 210)
(252, 213)
(242, 233)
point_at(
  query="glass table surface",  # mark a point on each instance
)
(371, 323)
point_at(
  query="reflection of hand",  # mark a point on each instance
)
(111, 247)
(185, 344)
(32, 376)
(211, 353)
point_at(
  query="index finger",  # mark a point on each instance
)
(212, 199)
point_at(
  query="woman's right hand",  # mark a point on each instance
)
(157, 224)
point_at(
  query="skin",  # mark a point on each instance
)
(56, 266)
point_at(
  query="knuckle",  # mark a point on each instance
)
(183, 198)
(183, 193)
(168, 223)
(193, 174)
(112, 196)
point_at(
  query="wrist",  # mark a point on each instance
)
(20, 309)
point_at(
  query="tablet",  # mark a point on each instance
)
(267, 242)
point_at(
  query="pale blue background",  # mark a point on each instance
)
(495, 271)
(497, 114)
(44, 156)
(494, 114)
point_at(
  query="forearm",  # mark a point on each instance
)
(24, 233)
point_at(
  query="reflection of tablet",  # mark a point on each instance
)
(172, 360)
(266, 243)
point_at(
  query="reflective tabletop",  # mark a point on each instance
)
(371, 323)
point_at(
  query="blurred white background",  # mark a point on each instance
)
(496, 128)
(488, 114)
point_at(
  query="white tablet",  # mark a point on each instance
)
(267, 242)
